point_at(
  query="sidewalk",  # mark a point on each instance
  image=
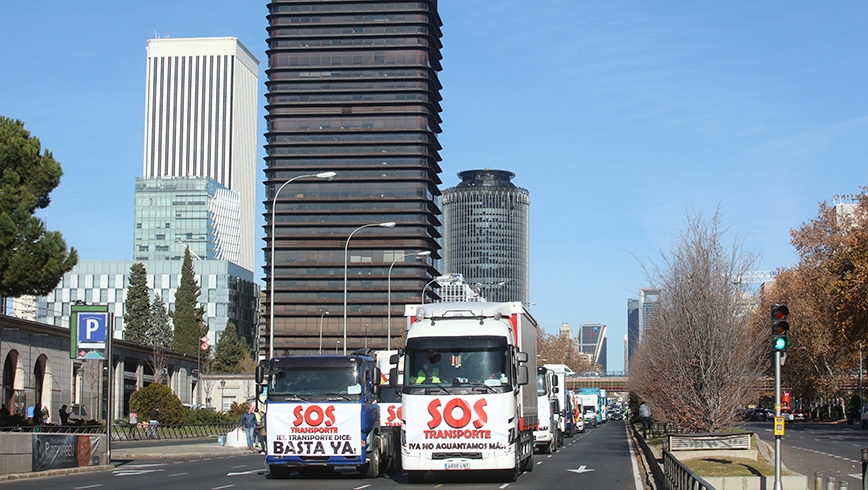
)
(147, 449)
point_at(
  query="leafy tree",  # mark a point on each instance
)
(32, 259)
(699, 358)
(159, 324)
(827, 295)
(230, 352)
(159, 396)
(188, 316)
(137, 306)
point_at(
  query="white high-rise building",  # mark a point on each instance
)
(200, 119)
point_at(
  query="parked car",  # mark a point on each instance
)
(801, 415)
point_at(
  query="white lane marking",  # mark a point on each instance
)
(177, 474)
(581, 469)
(136, 472)
(224, 486)
(826, 454)
(361, 487)
(248, 472)
(87, 486)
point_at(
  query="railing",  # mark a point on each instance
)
(678, 477)
(139, 432)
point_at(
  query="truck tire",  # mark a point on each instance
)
(528, 462)
(372, 468)
(416, 476)
(278, 472)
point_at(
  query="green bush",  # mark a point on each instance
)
(206, 416)
(159, 396)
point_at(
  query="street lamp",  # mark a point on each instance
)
(426, 287)
(388, 224)
(389, 294)
(337, 343)
(320, 330)
(222, 396)
(322, 175)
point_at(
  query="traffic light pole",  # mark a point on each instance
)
(776, 359)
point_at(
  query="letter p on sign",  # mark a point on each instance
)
(92, 327)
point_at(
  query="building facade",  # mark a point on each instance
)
(352, 88)
(174, 213)
(200, 120)
(228, 293)
(592, 340)
(486, 222)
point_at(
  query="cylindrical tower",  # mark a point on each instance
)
(486, 222)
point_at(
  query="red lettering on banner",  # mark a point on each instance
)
(394, 413)
(435, 414)
(314, 415)
(450, 407)
(481, 416)
(457, 434)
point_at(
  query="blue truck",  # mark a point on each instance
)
(323, 415)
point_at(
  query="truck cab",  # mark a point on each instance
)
(323, 415)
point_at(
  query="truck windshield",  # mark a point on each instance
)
(312, 383)
(486, 369)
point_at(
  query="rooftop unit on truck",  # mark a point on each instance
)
(468, 400)
(323, 415)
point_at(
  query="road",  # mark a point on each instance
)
(599, 458)
(807, 448)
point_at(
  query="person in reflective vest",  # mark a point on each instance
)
(428, 374)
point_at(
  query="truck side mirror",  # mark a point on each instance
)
(393, 377)
(554, 380)
(258, 390)
(523, 377)
(375, 389)
(378, 376)
(260, 375)
(555, 390)
(393, 359)
(521, 357)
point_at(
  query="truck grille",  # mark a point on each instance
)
(439, 456)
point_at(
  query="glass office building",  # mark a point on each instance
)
(352, 88)
(173, 213)
(486, 219)
(228, 293)
(592, 341)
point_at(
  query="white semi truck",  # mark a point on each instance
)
(546, 434)
(468, 398)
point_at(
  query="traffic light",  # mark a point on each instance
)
(780, 328)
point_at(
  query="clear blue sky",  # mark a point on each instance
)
(617, 116)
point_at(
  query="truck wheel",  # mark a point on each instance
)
(416, 476)
(278, 472)
(372, 468)
(528, 463)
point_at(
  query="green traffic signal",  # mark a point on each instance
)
(780, 328)
(780, 344)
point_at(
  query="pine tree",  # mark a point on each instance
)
(160, 326)
(188, 316)
(137, 306)
(230, 352)
(32, 259)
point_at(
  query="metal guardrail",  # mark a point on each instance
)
(139, 432)
(678, 477)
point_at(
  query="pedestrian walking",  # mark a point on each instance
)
(645, 415)
(64, 415)
(154, 421)
(248, 423)
(134, 422)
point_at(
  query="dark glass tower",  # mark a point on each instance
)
(486, 221)
(352, 88)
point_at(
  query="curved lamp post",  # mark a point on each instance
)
(389, 224)
(426, 287)
(389, 294)
(322, 175)
(320, 330)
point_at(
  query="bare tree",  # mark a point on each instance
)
(698, 358)
(158, 362)
(92, 374)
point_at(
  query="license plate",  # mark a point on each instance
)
(457, 465)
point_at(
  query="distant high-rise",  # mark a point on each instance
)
(486, 221)
(592, 340)
(174, 213)
(352, 88)
(200, 120)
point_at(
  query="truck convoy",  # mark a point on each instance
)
(468, 397)
(596, 401)
(545, 436)
(323, 415)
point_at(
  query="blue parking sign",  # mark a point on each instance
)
(92, 328)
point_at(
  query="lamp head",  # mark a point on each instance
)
(423, 254)
(326, 175)
(389, 224)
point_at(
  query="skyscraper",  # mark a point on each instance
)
(486, 221)
(200, 120)
(352, 88)
(592, 340)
